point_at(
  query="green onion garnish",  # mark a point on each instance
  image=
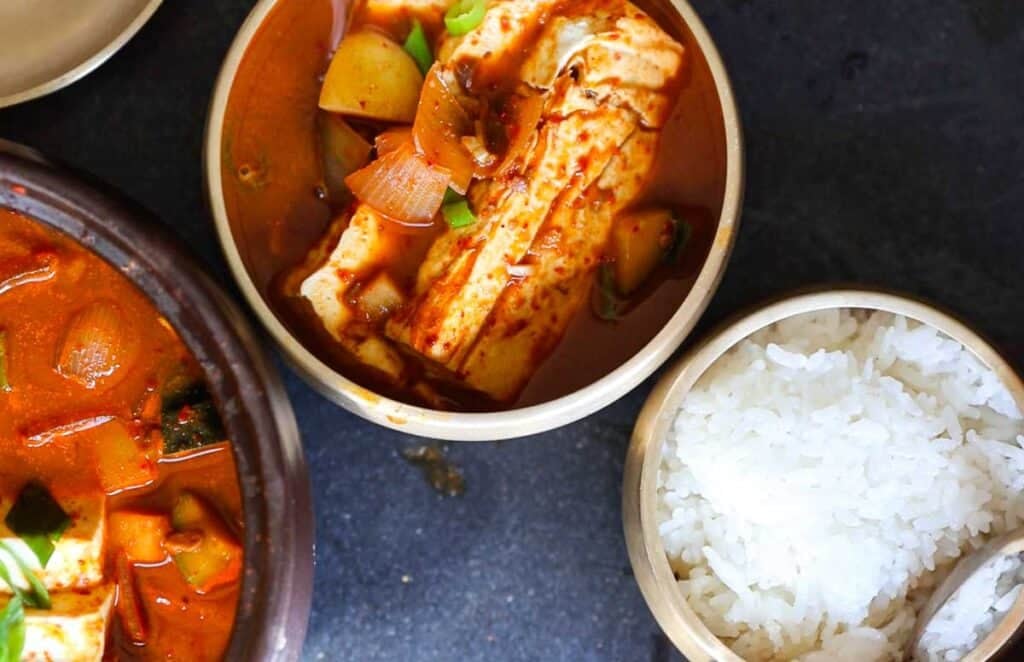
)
(458, 214)
(37, 596)
(416, 45)
(464, 15)
(5, 385)
(681, 232)
(38, 520)
(12, 630)
(607, 303)
(450, 196)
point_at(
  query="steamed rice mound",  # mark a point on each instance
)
(825, 473)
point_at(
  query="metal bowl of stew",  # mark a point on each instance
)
(266, 198)
(275, 589)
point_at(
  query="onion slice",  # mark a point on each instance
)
(392, 139)
(441, 122)
(96, 345)
(402, 185)
(37, 268)
(527, 113)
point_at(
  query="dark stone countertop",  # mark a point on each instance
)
(885, 145)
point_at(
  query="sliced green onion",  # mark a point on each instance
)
(681, 233)
(5, 385)
(458, 214)
(12, 630)
(37, 596)
(607, 303)
(450, 196)
(38, 520)
(464, 15)
(417, 46)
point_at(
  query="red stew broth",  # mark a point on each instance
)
(34, 317)
(272, 186)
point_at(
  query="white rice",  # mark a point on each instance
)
(973, 611)
(823, 475)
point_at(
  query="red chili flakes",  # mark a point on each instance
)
(18, 189)
(185, 414)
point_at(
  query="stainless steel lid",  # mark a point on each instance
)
(48, 44)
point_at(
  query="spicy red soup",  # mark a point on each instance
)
(120, 511)
(474, 205)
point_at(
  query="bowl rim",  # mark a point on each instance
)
(639, 494)
(491, 426)
(276, 591)
(89, 64)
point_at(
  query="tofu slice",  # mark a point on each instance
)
(74, 630)
(535, 310)
(620, 55)
(361, 245)
(472, 269)
(77, 561)
(482, 56)
(388, 12)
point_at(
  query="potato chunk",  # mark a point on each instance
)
(640, 241)
(372, 76)
(210, 556)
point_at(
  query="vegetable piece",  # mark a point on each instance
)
(96, 345)
(42, 436)
(417, 46)
(216, 559)
(481, 156)
(451, 196)
(128, 603)
(458, 214)
(5, 384)
(464, 15)
(380, 297)
(121, 463)
(37, 268)
(392, 139)
(441, 122)
(38, 520)
(371, 76)
(641, 240)
(36, 596)
(139, 535)
(343, 150)
(12, 630)
(680, 238)
(527, 112)
(189, 419)
(606, 302)
(402, 185)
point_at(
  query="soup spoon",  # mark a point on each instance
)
(1008, 544)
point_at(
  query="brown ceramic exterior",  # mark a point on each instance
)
(639, 492)
(277, 584)
(517, 422)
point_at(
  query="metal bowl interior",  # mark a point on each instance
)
(526, 420)
(276, 594)
(639, 501)
(46, 46)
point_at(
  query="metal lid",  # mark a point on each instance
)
(48, 44)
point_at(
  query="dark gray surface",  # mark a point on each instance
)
(885, 146)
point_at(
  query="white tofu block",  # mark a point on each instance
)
(77, 561)
(74, 630)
